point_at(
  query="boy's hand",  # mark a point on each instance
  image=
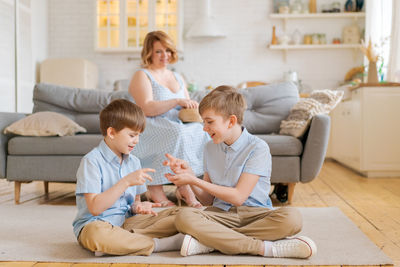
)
(145, 207)
(177, 165)
(180, 179)
(139, 177)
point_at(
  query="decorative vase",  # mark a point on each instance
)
(349, 6)
(274, 40)
(372, 73)
(312, 6)
(359, 5)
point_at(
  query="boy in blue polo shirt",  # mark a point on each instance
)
(111, 218)
(236, 182)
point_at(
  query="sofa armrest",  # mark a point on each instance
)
(315, 147)
(6, 118)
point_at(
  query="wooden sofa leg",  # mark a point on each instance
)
(290, 192)
(17, 191)
(46, 189)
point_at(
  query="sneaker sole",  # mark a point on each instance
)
(309, 243)
(185, 245)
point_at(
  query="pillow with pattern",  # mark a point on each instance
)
(319, 102)
(44, 123)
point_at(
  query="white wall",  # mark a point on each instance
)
(39, 9)
(242, 55)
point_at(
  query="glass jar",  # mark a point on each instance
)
(283, 8)
(307, 39)
(322, 38)
(296, 37)
(315, 38)
(296, 7)
(335, 7)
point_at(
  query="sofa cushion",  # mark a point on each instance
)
(283, 145)
(75, 99)
(81, 105)
(80, 144)
(66, 145)
(268, 105)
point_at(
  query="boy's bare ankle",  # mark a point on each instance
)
(187, 193)
(157, 194)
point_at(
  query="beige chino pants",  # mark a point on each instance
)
(241, 230)
(135, 237)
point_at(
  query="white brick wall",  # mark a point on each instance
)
(242, 55)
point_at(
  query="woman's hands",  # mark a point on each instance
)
(145, 207)
(138, 177)
(187, 103)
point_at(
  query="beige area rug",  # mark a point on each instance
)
(44, 233)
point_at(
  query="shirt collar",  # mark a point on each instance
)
(239, 143)
(109, 155)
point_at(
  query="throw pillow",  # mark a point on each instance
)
(189, 115)
(319, 102)
(44, 123)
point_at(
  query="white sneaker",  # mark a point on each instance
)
(191, 246)
(297, 247)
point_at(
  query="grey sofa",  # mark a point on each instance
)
(56, 159)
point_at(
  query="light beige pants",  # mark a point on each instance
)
(134, 237)
(240, 230)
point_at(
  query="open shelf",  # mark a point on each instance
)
(354, 15)
(314, 46)
(285, 48)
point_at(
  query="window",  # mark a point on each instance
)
(121, 25)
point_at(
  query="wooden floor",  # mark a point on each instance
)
(373, 204)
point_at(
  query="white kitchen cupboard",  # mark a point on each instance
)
(365, 133)
(121, 25)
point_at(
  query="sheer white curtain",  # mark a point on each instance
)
(394, 59)
(378, 29)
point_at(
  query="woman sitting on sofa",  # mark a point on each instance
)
(161, 93)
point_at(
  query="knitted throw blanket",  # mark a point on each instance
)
(319, 102)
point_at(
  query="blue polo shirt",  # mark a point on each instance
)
(248, 154)
(98, 171)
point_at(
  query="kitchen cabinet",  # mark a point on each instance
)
(365, 132)
(121, 25)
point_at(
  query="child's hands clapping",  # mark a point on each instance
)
(145, 207)
(139, 177)
(177, 165)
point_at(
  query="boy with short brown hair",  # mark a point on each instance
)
(111, 218)
(236, 182)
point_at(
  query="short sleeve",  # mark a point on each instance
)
(88, 177)
(259, 161)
